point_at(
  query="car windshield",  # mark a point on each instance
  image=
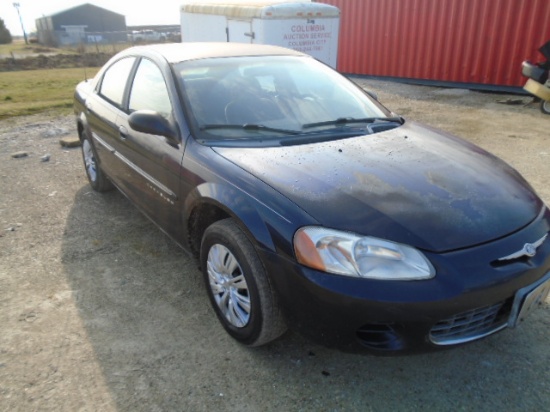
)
(278, 97)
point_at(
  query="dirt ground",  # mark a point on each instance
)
(99, 311)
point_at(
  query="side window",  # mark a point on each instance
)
(114, 80)
(149, 90)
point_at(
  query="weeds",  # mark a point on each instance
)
(33, 91)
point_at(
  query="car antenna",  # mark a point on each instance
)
(84, 67)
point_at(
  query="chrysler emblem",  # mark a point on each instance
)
(529, 249)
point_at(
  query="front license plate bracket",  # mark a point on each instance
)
(527, 299)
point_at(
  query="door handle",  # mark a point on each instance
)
(123, 132)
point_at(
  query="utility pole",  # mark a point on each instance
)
(17, 5)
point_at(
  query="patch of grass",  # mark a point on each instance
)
(34, 91)
(20, 49)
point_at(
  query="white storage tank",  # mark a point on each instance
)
(307, 27)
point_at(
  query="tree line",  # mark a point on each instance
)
(5, 35)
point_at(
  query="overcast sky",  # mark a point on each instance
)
(156, 12)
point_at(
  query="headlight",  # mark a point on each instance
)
(348, 254)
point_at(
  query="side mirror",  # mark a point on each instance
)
(150, 122)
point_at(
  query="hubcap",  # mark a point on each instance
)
(89, 160)
(228, 285)
(546, 106)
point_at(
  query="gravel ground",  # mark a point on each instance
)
(100, 311)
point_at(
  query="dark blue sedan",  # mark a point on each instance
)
(309, 204)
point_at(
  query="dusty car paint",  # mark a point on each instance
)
(401, 185)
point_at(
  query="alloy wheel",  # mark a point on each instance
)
(228, 285)
(89, 160)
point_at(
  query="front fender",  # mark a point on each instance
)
(258, 220)
(209, 179)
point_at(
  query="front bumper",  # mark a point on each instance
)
(471, 297)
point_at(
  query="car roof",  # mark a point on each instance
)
(179, 52)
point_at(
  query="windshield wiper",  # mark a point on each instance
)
(249, 127)
(350, 120)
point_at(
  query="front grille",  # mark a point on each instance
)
(471, 325)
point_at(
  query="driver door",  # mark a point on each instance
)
(152, 163)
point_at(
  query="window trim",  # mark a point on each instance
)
(125, 94)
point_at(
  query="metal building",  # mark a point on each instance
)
(467, 43)
(81, 24)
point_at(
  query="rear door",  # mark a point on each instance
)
(102, 111)
(239, 31)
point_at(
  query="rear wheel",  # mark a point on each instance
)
(98, 180)
(238, 286)
(545, 106)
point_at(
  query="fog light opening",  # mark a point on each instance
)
(380, 337)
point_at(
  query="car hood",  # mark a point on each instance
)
(412, 184)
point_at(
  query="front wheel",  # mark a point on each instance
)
(545, 106)
(98, 180)
(238, 285)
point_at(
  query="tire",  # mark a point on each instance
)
(545, 106)
(238, 286)
(97, 178)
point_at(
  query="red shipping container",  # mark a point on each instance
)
(469, 42)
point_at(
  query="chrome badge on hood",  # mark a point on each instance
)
(529, 249)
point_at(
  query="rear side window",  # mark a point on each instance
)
(114, 80)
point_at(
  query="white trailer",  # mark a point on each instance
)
(307, 27)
